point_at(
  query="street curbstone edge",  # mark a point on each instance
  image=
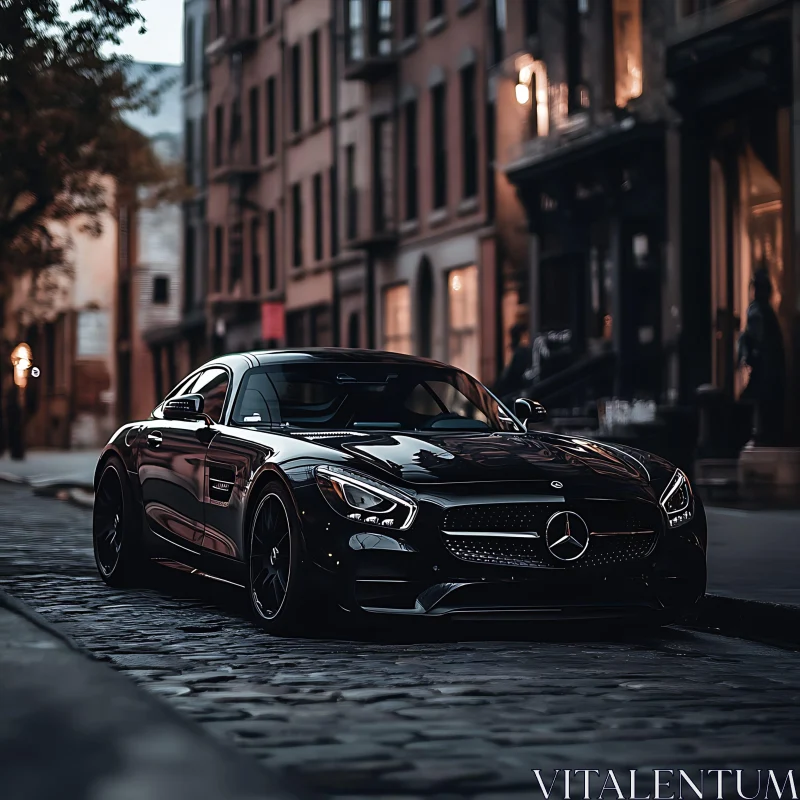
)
(769, 623)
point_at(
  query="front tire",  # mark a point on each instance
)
(276, 574)
(115, 535)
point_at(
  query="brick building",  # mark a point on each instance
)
(351, 193)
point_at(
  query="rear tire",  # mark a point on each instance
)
(116, 531)
(277, 575)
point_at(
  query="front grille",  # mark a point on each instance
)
(623, 532)
(505, 517)
(603, 551)
(495, 550)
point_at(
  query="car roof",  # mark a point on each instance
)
(329, 354)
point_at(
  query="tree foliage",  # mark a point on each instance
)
(63, 94)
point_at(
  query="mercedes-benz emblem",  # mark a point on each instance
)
(567, 535)
(557, 484)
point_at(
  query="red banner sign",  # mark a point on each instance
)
(273, 321)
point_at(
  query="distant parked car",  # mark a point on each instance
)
(391, 485)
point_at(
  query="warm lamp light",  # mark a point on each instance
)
(22, 360)
(523, 93)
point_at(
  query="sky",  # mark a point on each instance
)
(163, 42)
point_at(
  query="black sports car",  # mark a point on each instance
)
(388, 484)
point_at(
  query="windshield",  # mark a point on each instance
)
(331, 396)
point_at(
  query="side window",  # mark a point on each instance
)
(213, 385)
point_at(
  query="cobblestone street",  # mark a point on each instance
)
(408, 714)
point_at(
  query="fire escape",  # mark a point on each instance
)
(240, 168)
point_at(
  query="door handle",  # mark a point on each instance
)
(154, 439)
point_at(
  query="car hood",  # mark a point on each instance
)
(459, 457)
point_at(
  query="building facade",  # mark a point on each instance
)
(351, 185)
(591, 169)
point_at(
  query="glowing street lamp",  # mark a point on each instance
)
(22, 360)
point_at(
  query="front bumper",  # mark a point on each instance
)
(417, 572)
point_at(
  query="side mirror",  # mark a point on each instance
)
(529, 411)
(189, 407)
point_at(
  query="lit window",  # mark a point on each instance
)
(627, 50)
(462, 319)
(397, 319)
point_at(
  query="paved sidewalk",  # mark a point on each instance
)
(41, 467)
(74, 728)
(754, 555)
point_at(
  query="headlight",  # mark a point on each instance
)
(362, 499)
(677, 500)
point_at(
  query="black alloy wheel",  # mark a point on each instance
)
(275, 564)
(114, 535)
(270, 557)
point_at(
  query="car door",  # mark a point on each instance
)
(172, 464)
(232, 458)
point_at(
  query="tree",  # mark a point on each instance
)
(62, 99)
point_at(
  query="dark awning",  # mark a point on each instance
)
(617, 137)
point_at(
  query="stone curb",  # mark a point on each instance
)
(770, 623)
(62, 708)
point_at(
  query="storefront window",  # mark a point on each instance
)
(462, 319)
(397, 319)
(627, 50)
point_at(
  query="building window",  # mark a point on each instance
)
(203, 149)
(219, 244)
(254, 135)
(318, 217)
(333, 189)
(188, 267)
(188, 58)
(272, 252)
(355, 30)
(315, 78)
(255, 256)
(497, 15)
(219, 19)
(271, 116)
(354, 329)
(234, 17)
(189, 152)
(627, 50)
(437, 8)
(409, 20)
(252, 16)
(352, 192)
(236, 257)
(219, 133)
(297, 225)
(469, 131)
(269, 11)
(236, 122)
(438, 99)
(411, 159)
(161, 290)
(381, 35)
(531, 20)
(297, 95)
(574, 48)
(397, 319)
(462, 319)
(381, 156)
